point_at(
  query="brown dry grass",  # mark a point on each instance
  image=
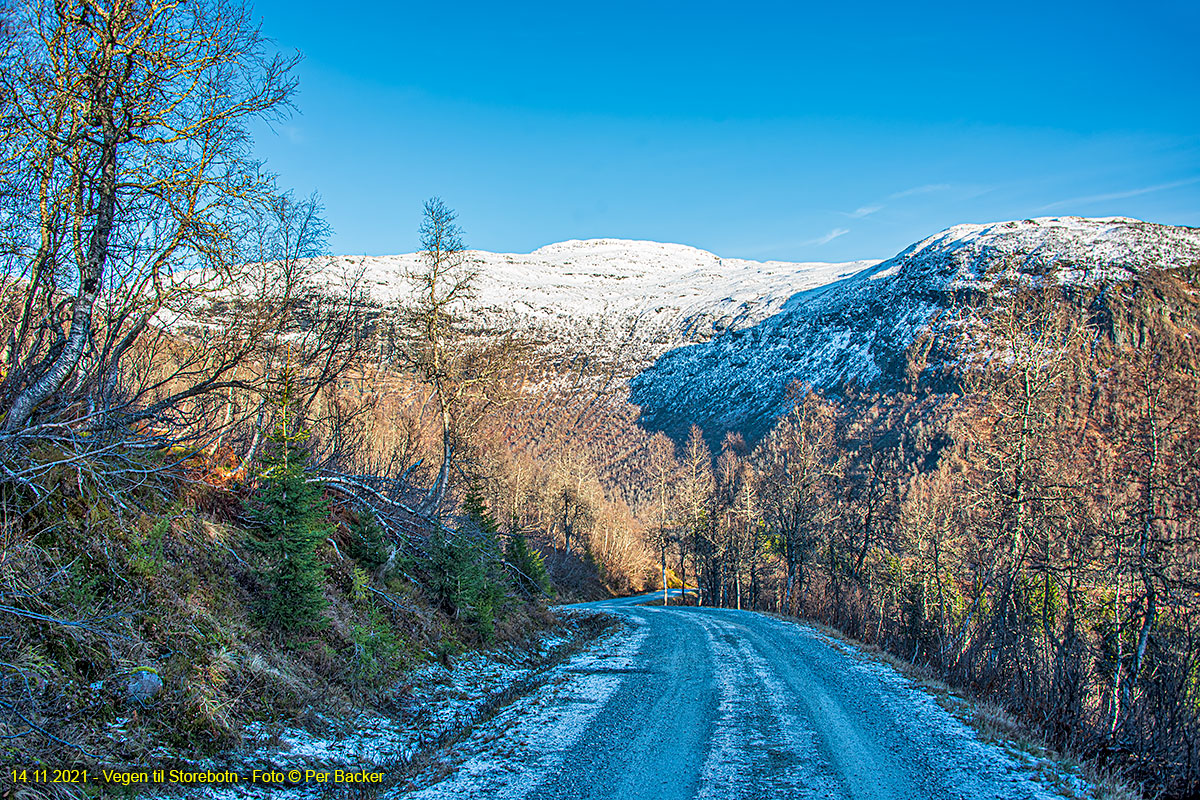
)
(176, 590)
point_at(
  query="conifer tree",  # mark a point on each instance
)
(528, 563)
(465, 570)
(367, 545)
(292, 515)
(477, 511)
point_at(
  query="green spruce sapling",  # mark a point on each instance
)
(528, 564)
(466, 571)
(293, 521)
(367, 543)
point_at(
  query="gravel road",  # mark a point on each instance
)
(686, 703)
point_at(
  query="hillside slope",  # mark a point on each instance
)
(858, 330)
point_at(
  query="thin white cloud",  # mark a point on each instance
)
(926, 189)
(864, 211)
(829, 237)
(1100, 198)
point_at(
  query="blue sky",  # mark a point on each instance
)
(754, 130)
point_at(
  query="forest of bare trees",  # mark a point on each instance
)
(1030, 533)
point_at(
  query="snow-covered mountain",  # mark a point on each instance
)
(859, 329)
(640, 297)
(717, 341)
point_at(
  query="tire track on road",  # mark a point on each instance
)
(760, 747)
(701, 703)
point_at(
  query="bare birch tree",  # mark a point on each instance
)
(126, 190)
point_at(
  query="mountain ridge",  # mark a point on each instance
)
(666, 294)
(718, 341)
(858, 332)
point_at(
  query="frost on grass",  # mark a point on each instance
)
(433, 704)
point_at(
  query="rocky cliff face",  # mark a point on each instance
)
(858, 330)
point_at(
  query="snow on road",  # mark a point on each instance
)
(515, 751)
(758, 741)
(686, 703)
